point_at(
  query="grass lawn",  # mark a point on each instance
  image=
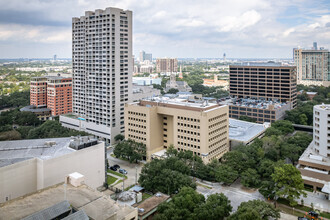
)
(116, 173)
(145, 196)
(111, 180)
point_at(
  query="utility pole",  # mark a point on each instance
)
(135, 175)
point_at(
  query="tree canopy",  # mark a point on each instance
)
(130, 150)
(168, 175)
(255, 209)
(288, 183)
(189, 204)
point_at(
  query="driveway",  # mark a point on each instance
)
(133, 170)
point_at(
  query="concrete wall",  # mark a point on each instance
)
(89, 162)
(31, 175)
(18, 179)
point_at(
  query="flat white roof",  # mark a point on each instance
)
(311, 156)
(181, 102)
(76, 175)
(15, 151)
(244, 131)
(323, 107)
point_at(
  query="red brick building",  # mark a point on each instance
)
(38, 92)
(54, 93)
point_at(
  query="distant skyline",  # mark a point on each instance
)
(210, 28)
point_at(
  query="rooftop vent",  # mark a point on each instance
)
(158, 195)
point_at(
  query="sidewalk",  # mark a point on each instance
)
(118, 178)
(318, 199)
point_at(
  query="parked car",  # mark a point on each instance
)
(122, 171)
(113, 168)
(116, 166)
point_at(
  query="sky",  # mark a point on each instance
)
(172, 28)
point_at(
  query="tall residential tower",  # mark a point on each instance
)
(313, 66)
(102, 71)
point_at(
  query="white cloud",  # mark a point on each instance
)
(30, 33)
(231, 23)
(190, 28)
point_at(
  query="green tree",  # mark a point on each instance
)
(247, 118)
(226, 174)
(173, 91)
(26, 119)
(266, 168)
(288, 183)
(119, 137)
(303, 119)
(255, 209)
(272, 131)
(53, 129)
(250, 178)
(189, 204)
(130, 150)
(302, 139)
(267, 189)
(290, 151)
(216, 207)
(236, 160)
(167, 175)
(10, 135)
(24, 131)
(284, 126)
(182, 205)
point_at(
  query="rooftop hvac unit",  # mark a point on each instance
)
(76, 179)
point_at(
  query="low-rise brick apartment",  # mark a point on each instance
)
(52, 92)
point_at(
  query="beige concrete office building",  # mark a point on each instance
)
(198, 127)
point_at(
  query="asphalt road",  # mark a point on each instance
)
(235, 195)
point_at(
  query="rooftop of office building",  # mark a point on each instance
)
(16, 151)
(254, 103)
(151, 203)
(263, 64)
(313, 157)
(39, 78)
(180, 103)
(32, 108)
(54, 201)
(245, 131)
(323, 106)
